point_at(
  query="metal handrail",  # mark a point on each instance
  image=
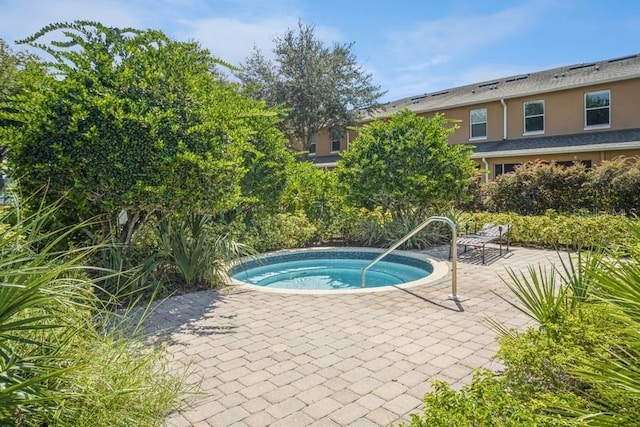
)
(454, 251)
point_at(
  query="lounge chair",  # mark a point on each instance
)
(488, 234)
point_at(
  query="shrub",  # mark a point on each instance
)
(616, 185)
(554, 230)
(405, 161)
(487, 401)
(537, 186)
(280, 231)
(613, 186)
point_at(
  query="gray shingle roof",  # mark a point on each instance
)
(590, 141)
(555, 79)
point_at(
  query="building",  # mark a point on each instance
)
(586, 112)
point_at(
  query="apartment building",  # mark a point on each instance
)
(586, 112)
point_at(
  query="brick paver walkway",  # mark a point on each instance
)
(266, 359)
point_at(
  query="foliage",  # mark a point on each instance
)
(615, 372)
(487, 401)
(536, 187)
(616, 185)
(321, 87)
(579, 366)
(192, 254)
(11, 64)
(554, 230)
(59, 363)
(376, 228)
(127, 125)
(280, 231)
(313, 191)
(404, 163)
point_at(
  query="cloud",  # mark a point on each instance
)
(433, 55)
(454, 35)
(232, 39)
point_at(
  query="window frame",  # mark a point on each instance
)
(471, 123)
(313, 144)
(525, 117)
(336, 137)
(587, 126)
(502, 166)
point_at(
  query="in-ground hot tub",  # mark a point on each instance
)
(330, 270)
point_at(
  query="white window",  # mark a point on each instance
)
(534, 117)
(478, 119)
(597, 109)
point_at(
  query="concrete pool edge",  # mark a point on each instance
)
(440, 270)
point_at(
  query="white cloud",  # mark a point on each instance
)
(453, 35)
(232, 39)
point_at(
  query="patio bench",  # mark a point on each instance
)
(488, 234)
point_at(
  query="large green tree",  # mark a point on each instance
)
(323, 87)
(405, 162)
(126, 125)
(11, 63)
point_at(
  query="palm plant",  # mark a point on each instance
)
(617, 369)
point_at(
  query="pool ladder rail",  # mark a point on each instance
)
(454, 252)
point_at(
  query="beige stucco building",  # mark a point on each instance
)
(586, 112)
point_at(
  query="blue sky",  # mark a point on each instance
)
(410, 46)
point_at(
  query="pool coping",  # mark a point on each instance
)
(441, 269)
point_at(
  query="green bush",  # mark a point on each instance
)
(616, 185)
(535, 187)
(280, 231)
(486, 402)
(558, 231)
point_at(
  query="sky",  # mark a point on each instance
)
(409, 47)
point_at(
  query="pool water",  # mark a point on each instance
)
(327, 271)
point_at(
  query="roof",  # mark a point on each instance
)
(567, 77)
(593, 141)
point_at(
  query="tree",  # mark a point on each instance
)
(322, 87)
(10, 65)
(405, 162)
(127, 125)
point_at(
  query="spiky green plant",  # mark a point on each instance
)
(191, 249)
(59, 352)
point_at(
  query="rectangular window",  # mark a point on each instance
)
(478, 119)
(597, 109)
(501, 168)
(335, 141)
(312, 145)
(534, 117)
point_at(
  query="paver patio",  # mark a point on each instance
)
(267, 359)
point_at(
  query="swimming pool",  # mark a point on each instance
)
(333, 270)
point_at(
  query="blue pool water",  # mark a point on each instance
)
(326, 270)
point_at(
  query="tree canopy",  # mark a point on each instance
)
(405, 162)
(321, 87)
(129, 121)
